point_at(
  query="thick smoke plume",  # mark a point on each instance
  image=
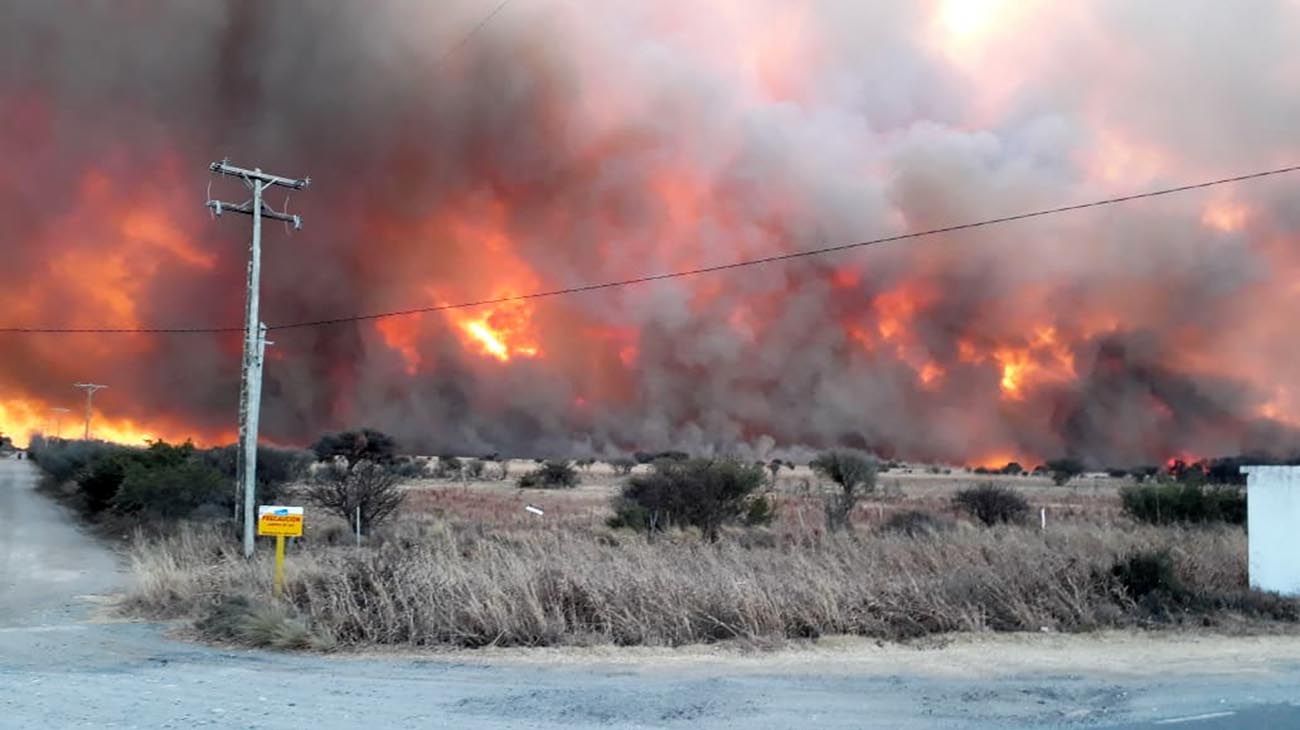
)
(571, 142)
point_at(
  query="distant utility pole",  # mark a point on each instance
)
(58, 421)
(250, 382)
(90, 389)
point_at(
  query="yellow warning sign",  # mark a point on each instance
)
(277, 521)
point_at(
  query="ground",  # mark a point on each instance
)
(65, 663)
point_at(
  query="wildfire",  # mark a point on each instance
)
(502, 332)
(1045, 358)
(23, 418)
(403, 335)
(1225, 216)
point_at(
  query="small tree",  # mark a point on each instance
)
(703, 493)
(1064, 469)
(622, 465)
(992, 503)
(371, 487)
(855, 473)
(1013, 468)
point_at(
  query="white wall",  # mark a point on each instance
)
(1273, 519)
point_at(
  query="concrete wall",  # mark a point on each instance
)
(1273, 518)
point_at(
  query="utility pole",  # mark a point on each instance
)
(58, 421)
(250, 382)
(90, 389)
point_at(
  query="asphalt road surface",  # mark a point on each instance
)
(62, 665)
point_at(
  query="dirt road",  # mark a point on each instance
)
(63, 666)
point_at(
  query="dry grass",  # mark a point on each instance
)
(438, 583)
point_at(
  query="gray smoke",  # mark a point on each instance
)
(575, 142)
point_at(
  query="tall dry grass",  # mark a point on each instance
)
(439, 584)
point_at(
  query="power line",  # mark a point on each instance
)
(805, 253)
(472, 32)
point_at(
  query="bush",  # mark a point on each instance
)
(915, 523)
(474, 468)
(374, 488)
(100, 481)
(1013, 468)
(64, 460)
(1063, 470)
(1190, 502)
(622, 465)
(992, 504)
(1147, 572)
(649, 457)
(276, 468)
(448, 467)
(170, 491)
(760, 512)
(553, 474)
(701, 493)
(855, 473)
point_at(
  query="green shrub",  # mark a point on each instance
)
(99, 483)
(703, 493)
(649, 457)
(553, 474)
(64, 460)
(171, 490)
(855, 474)
(992, 504)
(760, 512)
(1187, 502)
(622, 465)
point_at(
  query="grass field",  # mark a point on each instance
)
(465, 565)
(799, 494)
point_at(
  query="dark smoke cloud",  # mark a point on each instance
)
(614, 139)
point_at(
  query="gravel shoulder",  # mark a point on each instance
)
(63, 664)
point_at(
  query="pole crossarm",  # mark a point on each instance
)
(259, 180)
(246, 208)
(225, 168)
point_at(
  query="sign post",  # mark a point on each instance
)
(279, 522)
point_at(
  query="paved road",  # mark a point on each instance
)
(61, 668)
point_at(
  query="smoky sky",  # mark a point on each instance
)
(569, 142)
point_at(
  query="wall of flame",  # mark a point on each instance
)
(572, 142)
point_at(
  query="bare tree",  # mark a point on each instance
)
(373, 488)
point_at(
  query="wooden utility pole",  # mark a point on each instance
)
(250, 382)
(58, 421)
(90, 389)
